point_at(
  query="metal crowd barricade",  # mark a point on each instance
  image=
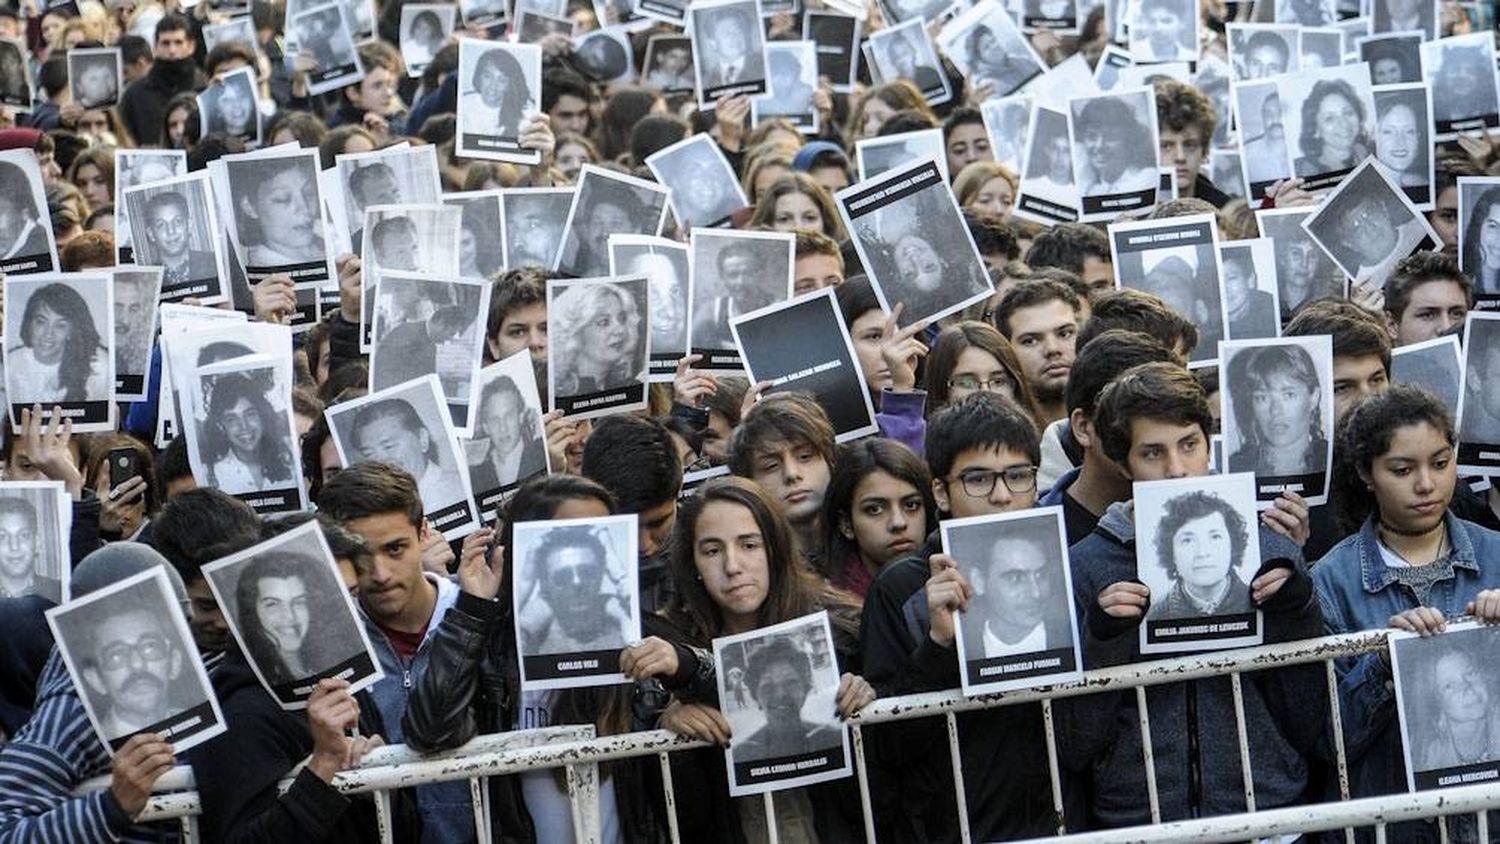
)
(579, 752)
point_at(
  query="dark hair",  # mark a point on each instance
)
(201, 525)
(173, 464)
(175, 22)
(1355, 331)
(83, 338)
(1115, 117)
(794, 417)
(513, 290)
(1486, 202)
(1066, 246)
(273, 454)
(953, 341)
(304, 126)
(1309, 141)
(1103, 359)
(1160, 391)
(1268, 39)
(626, 107)
(857, 461)
(517, 94)
(1136, 310)
(259, 644)
(963, 115)
(134, 48)
(1366, 433)
(655, 132)
(1031, 293)
(1189, 507)
(333, 144)
(1416, 270)
(982, 420)
(191, 128)
(992, 235)
(778, 650)
(562, 82)
(371, 489)
(227, 51)
(312, 457)
(635, 459)
(99, 448)
(906, 120)
(855, 297)
(1180, 106)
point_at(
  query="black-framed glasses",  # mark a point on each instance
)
(979, 483)
(998, 382)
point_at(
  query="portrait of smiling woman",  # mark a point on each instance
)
(240, 442)
(596, 339)
(497, 101)
(61, 356)
(277, 598)
(1333, 129)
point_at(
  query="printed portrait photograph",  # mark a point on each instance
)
(1261, 51)
(883, 154)
(279, 217)
(1435, 365)
(1479, 232)
(534, 219)
(59, 346)
(1446, 699)
(669, 64)
(704, 188)
(406, 239)
(1006, 122)
(34, 526)
(94, 76)
(26, 241)
(735, 274)
(1403, 145)
(1278, 419)
(1265, 147)
(1164, 31)
(1394, 58)
(15, 80)
(1247, 281)
(246, 438)
(1175, 260)
(229, 107)
(323, 35)
(991, 51)
(1330, 122)
(387, 177)
(1307, 12)
(606, 203)
(481, 247)
(1405, 16)
(905, 52)
(664, 263)
(793, 81)
(430, 325)
(176, 229)
(500, 87)
(425, 28)
(1114, 151)
(837, 37)
(729, 46)
(133, 168)
(1048, 174)
(507, 447)
(598, 337)
(1368, 225)
(1479, 413)
(1304, 272)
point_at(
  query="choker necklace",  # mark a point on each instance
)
(1438, 555)
(1404, 531)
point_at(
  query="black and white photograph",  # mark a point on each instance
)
(551, 8)
(837, 37)
(1112, 62)
(730, 49)
(667, 11)
(289, 609)
(1263, 50)
(131, 656)
(241, 434)
(1073, 77)
(278, 219)
(990, 52)
(15, 79)
(430, 324)
(1435, 365)
(1448, 703)
(407, 426)
(26, 242)
(901, 11)
(1007, 121)
(914, 244)
(1478, 418)
(1403, 145)
(793, 82)
(1278, 414)
(228, 107)
(606, 203)
(534, 220)
(35, 521)
(481, 244)
(1394, 58)
(532, 26)
(598, 340)
(778, 689)
(240, 30)
(425, 28)
(1176, 259)
(508, 445)
(94, 76)
(1461, 72)
(875, 156)
(1479, 236)
(59, 347)
(500, 87)
(409, 239)
(133, 168)
(904, 51)
(1353, 29)
(1197, 549)
(398, 176)
(490, 14)
(1212, 76)
(177, 229)
(137, 290)
(1329, 119)
(577, 602)
(1164, 31)
(703, 185)
(1226, 173)
(1265, 148)
(666, 265)
(1247, 281)
(803, 345)
(1322, 47)
(1019, 631)
(668, 65)
(1059, 16)
(193, 339)
(1114, 152)
(1405, 16)
(325, 34)
(733, 274)
(1304, 271)
(1368, 224)
(1306, 13)
(604, 56)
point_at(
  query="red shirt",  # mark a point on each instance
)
(406, 644)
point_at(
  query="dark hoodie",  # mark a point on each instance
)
(144, 104)
(237, 773)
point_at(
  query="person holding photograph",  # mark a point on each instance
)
(1411, 565)
(1278, 408)
(18, 547)
(1014, 600)
(276, 611)
(671, 68)
(1118, 154)
(1467, 728)
(1201, 543)
(878, 508)
(497, 105)
(990, 64)
(513, 447)
(1333, 129)
(390, 430)
(1400, 146)
(280, 220)
(61, 357)
(729, 34)
(596, 339)
(240, 443)
(903, 56)
(170, 232)
(1251, 311)
(21, 233)
(1481, 258)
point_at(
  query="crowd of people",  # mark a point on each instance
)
(1064, 387)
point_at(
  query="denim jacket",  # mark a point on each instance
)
(1357, 591)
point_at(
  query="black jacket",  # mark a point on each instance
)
(144, 103)
(237, 773)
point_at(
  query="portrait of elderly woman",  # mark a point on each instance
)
(511, 435)
(1334, 131)
(1455, 721)
(498, 100)
(596, 339)
(277, 597)
(242, 446)
(1481, 238)
(1114, 152)
(1278, 411)
(1200, 543)
(280, 221)
(61, 356)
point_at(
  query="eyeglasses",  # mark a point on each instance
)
(981, 482)
(998, 383)
(149, 648)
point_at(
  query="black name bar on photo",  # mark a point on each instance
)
(183, 724)
(1018, 666)
(1119, 201)
(632, 394)
(580, 664)
(789, 767)
(78, 411)
(1269, 487)
(1049, 210)
(272, 500)
(1205, 628)
(1155, 238)
(887, 193)
(492, 143)
(1479, 772)
(39, 263)
(451, 515)
(349, 669)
